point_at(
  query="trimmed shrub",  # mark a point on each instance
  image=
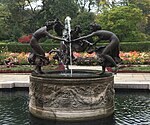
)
(19, 47)
(133, 46)
(24, 47)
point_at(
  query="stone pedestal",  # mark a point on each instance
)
(82, 96)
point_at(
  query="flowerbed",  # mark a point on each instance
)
(134, 57)
(18, 58)
(129, 59)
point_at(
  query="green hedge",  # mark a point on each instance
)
(21, 47)
(138, 46)
(133, 46)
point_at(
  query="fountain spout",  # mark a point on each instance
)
(67, 35)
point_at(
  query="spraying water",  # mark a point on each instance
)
(67, 35)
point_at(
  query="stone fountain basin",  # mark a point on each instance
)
(83, 95)
(76, 73)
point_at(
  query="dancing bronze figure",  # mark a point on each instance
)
(112, 47)
(38, 56)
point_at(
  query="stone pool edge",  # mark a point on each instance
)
(117, 85)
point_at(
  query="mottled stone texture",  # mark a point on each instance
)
(71, 98)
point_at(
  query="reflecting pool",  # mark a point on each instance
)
(131, 108)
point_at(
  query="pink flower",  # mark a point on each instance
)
(76, 55)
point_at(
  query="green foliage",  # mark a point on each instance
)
(143, 46)
(16, 19)
(144, 5)
(29, 68)
(18, 47)
(137, 68)
(135, 46)
(51, 9)
(24, 47)
(20, 17)
(125, 46)
(86, 61)
(84, 19)
(19, 68)
(4, 31)
(125, 21)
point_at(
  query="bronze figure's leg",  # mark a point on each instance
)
(106, 56)
(111, 47)
(36, 47)
(37, 50)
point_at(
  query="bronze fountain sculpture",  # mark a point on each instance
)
(74, 94)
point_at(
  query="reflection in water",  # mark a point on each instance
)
(76, 74)
(106, 121)
(131, 108)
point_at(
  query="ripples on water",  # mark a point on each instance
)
(14, 108)
(132, 108)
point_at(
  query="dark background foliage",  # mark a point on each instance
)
(128, 19)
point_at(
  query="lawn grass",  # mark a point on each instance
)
(17, 68)
(137, 68)
(24, 68)
(29, 68)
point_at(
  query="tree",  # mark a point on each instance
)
(126, 21)
(24, 18)
(58, 9)
(95, 5)
(21, 19)
(84, 19)
(85, 5)
(4, 14)
(144, 5)
(104, 5)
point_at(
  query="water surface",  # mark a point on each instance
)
(131, 108)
